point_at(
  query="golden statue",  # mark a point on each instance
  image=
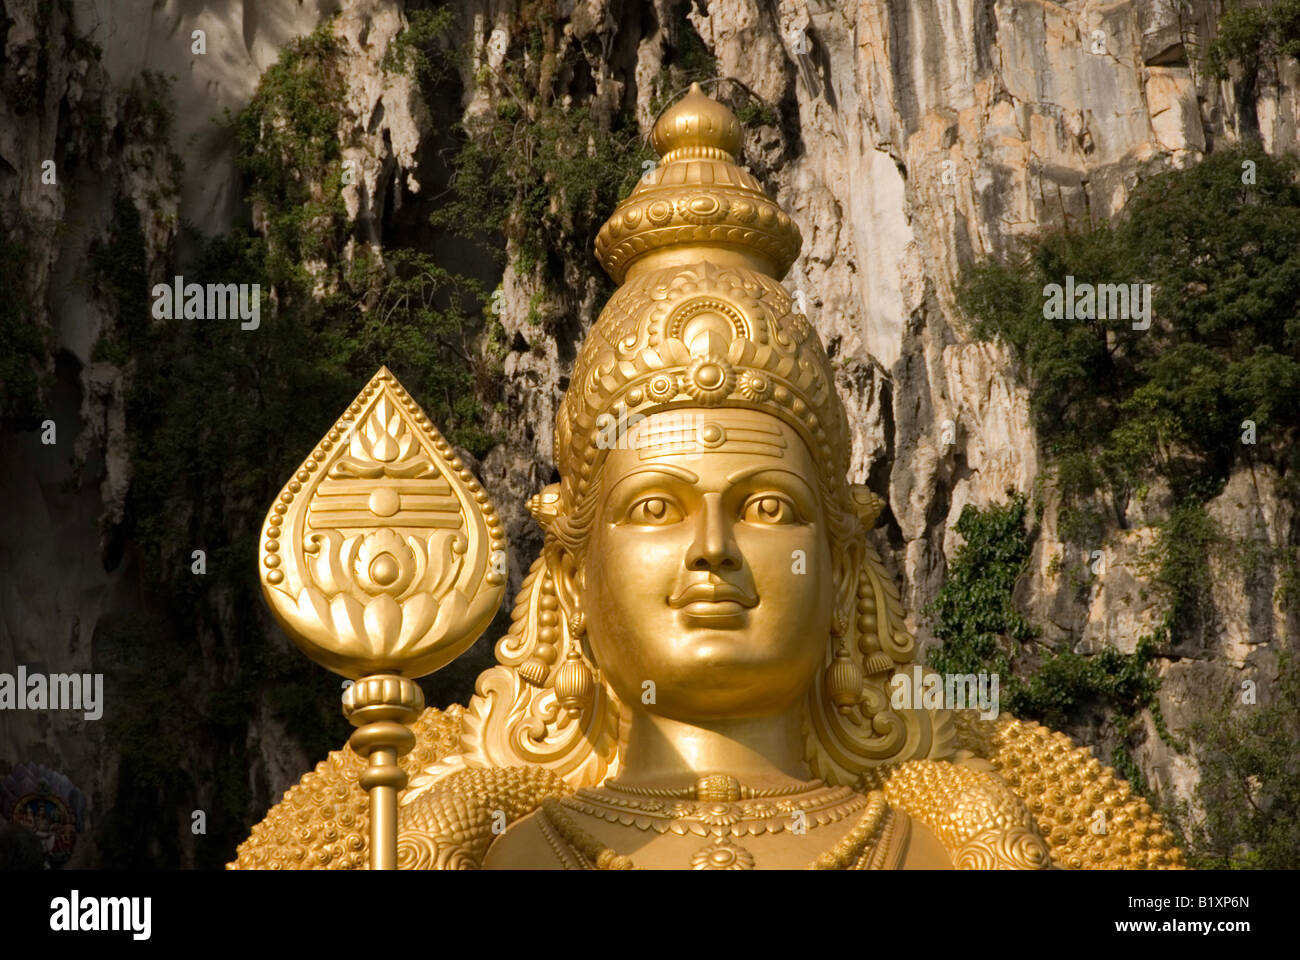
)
(698, 670)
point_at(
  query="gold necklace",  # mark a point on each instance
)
(868, 846)
(718, 818)
(715, 786)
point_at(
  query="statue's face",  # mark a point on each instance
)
(708, 569)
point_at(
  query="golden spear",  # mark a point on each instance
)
(384, 560)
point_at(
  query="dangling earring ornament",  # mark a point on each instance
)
(574, 683)
(844, 680)
(839, 624)
(538, 667)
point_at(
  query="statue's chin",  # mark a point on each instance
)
(717, 708)
(719, 677)
(711, 663)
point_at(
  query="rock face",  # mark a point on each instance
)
(933, 133)
(913, 136)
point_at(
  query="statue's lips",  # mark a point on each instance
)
(713, 604)
(704, 593)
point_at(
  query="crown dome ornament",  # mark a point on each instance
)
(700, 318)
(697, 196)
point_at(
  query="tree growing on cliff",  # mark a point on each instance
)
(1250, 779)
(1213, 383)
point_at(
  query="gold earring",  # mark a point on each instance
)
(844, 680)
(574, 684)
(537, 667)
(839, 624)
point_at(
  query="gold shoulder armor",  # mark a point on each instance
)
(1024, 797)
(979, 820)
(1088, 816)
(451, 826)
(322, 822)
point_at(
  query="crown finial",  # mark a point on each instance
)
(697, 127)
(696, 201)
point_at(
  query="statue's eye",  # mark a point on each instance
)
(769, 508)
(654, 510)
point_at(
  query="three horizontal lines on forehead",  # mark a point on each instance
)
(695, 434)
(681, 473)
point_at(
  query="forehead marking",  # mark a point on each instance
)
(708, 433)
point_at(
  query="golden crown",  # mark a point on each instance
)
(700, 318)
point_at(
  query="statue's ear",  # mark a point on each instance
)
(866, 506)
(560, 563)
(567, 577)
(846, 568)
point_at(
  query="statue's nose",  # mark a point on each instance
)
(713, 547)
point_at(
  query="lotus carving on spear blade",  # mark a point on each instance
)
(384, 553)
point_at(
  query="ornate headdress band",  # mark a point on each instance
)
(700, 318)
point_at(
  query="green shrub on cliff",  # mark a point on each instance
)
(23, 344)
(538, 173)
(1247, 34)
(1249, 783)
(974, 614)
(1213, 382)
(982, 630)
(1115, 405)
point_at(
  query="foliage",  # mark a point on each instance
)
(540, 174)
(688, 60)
(1066, 679)
(543, 176)
(119, 269)
(1185, 541)
(1117, 408)
(24, 345)
(756, 113)
(289, 153)
(420, 51)
(975, 616)
(1250, 34)
(1250, 780)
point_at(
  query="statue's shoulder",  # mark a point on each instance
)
(978, 819)
(453, 825)
(1026, 778)
(321, 822)
(531, 843)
